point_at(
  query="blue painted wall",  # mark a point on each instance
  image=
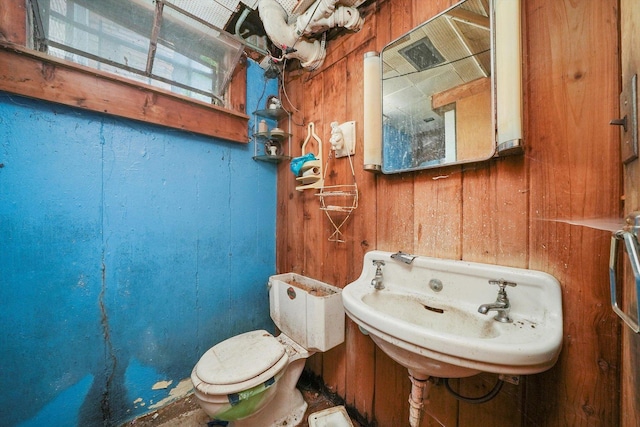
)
(126, 251)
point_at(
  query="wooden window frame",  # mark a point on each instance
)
(33, 74)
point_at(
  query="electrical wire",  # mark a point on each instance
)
(264, 89)
(284, 91)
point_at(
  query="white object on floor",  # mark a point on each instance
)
(330, 417)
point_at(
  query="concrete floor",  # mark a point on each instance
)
(186, 412)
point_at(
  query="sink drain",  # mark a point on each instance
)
(434, 309)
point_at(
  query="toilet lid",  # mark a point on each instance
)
(240, 358)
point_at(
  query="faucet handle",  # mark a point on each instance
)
(378, 263)
(502, 283)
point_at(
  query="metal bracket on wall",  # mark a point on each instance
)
(629, 234)
(629, 121)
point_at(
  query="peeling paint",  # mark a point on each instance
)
(139, 403)
(183, 388)
(160, 385)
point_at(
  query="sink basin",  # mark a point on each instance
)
(426, 317)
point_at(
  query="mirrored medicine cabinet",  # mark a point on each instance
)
(440, 98)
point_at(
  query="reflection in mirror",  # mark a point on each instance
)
(436, 92)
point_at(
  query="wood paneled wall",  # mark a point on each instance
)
(514, 211)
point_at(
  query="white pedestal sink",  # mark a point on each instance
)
(426, 316)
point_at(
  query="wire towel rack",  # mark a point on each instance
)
(338, 201)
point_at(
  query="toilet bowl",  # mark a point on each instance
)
(250, 379)
(238, 377)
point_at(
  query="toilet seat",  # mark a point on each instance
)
(240, 363)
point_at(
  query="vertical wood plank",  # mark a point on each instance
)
(392, 392)
(13, 21)
(395, 192)
(237, 91)
(314, 221)
(338, 173)
(394, 231)
(313, 239)
(440, 407)
(572, 157)
(495, 210)
(438, 214)
(630, 32)
(361, 237)
(290, 218)
(361, 230)
(425, 10)
(360, 375)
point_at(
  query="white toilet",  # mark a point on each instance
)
(250, 379)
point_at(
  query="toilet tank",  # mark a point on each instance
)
(308, 311)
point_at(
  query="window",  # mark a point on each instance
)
(167, 44)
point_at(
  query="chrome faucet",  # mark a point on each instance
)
(376, 282)
(401, 256)
(502, 304)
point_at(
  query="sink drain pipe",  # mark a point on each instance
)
(418, 392)
(416, 398)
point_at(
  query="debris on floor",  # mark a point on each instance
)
(186, 412)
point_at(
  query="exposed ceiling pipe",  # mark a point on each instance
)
(342, 16)
(283, 35)
(239, 23)
(291, 38)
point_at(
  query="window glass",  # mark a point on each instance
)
(153, 42)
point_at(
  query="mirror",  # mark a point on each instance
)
(437, 92)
